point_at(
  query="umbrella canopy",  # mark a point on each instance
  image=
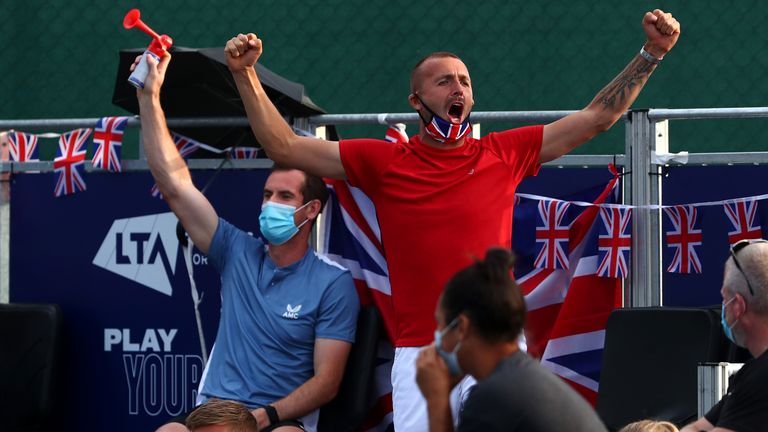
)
(199, 84)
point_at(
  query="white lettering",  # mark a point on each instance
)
(199, 259)
(112, 336)
(167, 338)
(127, 345)
(150, 341)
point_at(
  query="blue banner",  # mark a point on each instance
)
(110, 258)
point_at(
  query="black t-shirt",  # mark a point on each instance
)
(745, 407)
(520, 395)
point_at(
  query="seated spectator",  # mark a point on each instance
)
(650, 426)
(480, 316)
(745, 322)
(288, 315)
(219, 415)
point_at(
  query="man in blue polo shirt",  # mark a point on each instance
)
(288, 315)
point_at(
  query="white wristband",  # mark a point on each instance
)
(649, 57)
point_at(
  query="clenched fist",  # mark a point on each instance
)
(242, 51)
(662, 30)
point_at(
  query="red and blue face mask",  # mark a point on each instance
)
(442, 130)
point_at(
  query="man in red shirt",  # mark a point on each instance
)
(443, 198)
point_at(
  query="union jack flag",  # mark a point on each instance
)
(744, 220)
(69, 162)
(186, 146)
(108, 136)
(396, 133)
(615, 242)
(350, 235)
(244, 153)
(684, 235)
(567, 308)
(448, 130)
(23, 146)
(552, 235)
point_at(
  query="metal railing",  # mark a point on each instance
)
(646, 137)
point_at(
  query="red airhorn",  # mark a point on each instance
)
(156, 48)
(133, 19)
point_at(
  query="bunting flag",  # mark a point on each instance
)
(23, 146)
(567, 308)
(684, 235)
(744, 220)
(615, 242)
(108, 137)
(396, 133)
(186, 146)
(244, 153)
(69, 162)
(552, 235)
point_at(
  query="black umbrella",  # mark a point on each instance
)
(199, 84)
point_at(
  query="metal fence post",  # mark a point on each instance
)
(644, 287)
(5, 223)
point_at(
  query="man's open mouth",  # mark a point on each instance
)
(455, 112)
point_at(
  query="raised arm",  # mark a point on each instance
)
(315, 156)
(562, 136)
(330, 361)
(168, 167)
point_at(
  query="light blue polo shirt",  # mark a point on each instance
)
(270, 318)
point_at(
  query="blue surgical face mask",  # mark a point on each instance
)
(728, 329)
(450, 358)
(442, 130)
(276, 222)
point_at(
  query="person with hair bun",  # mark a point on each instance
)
(479, 318)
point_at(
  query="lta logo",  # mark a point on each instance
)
(142, 249)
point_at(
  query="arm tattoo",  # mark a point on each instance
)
(625, 87)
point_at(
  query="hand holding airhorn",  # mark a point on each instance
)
(156, 48)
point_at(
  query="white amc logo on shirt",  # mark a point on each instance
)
(292, 312)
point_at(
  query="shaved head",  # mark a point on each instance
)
(415, 72)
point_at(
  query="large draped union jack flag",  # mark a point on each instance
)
(744, 220)
(615, 242)
(684, 235)
(108, 138)
(23, 146)
(567, 308)
(69, 162)
(349, 235)
(552, 235)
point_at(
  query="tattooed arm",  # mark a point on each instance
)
(611, 102)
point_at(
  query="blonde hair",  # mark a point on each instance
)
(223, 412)
(650, 426)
